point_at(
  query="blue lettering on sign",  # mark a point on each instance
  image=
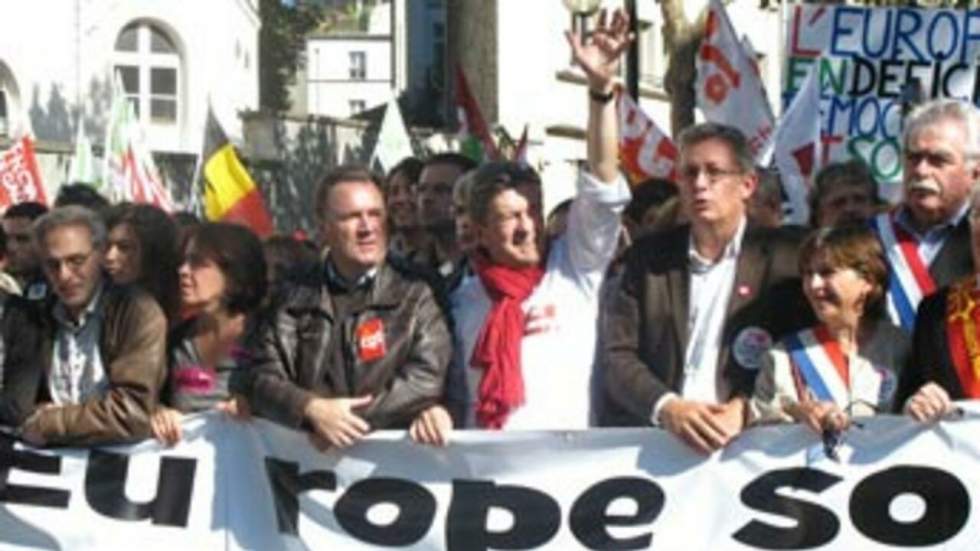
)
(968, 36)
(868, 32)
(867, 112)
(840, 32)
(839, 106)
(891, 120)
(907, 23)
(952, 36)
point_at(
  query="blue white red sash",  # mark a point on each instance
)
(909, 280)
(822, 365)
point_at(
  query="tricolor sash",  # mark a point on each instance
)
(909, 280)
(963, 334)
(822, 365)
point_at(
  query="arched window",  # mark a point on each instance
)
(148, 62)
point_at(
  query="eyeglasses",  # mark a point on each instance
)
(73, 262)
(713, 174)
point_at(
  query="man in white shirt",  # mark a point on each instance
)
(526, 323)
(699, 305)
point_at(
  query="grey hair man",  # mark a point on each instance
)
(103, 348)
(940, 167)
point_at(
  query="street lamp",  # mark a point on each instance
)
(581, 10)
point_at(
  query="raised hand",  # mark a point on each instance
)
(599, 54)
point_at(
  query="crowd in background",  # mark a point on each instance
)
(440, 296)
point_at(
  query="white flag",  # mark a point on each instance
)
(645, 151)
(82, 166)
(729, 90)
(796, 145)
(394, 144)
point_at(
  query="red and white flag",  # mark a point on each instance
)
(130, 172)
(729, 90)
(20, 178)
(474, 133)
(796, 146)
(645, 151)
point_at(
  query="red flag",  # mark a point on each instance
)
(645, 151)
(20, 179)
(473, 129)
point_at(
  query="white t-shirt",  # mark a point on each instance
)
(558, 347)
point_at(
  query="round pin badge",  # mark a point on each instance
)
(888, 386)
(750, 345)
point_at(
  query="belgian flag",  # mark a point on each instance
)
(230, 195)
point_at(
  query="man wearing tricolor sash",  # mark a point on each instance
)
(846, 365)
(926, 238)
(945, 362)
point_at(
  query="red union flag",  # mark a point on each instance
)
(645, 151)
(20, 179)
(729, 90)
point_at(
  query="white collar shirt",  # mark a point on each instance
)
(710, 291)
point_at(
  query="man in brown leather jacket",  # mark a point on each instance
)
(103, 349)
(362, 343)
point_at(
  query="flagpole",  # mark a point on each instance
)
(194, 204)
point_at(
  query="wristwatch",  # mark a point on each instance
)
(601, 98)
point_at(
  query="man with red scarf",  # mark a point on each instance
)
(526, 324)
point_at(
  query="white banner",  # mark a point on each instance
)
(258, 486)
(872, 64)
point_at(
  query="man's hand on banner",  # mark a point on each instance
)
(600, 53)
(705, 427)
(165, 424)
(30, 432)
(929, 404)
(433, 427)
(334, 420)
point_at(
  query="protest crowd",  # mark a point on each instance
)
(440, 297)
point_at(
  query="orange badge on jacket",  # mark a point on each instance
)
(370, 337)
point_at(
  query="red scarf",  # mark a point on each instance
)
(498, 346)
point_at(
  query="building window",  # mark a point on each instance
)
(356, 106)
(4, 125)
(653, 59)
(358, 65)
(148, 63)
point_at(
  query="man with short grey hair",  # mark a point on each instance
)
(698, 306)
(927, 238)
(103, 348)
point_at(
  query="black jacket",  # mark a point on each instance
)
(289, 351)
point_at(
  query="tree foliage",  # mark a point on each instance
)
(282, 41)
